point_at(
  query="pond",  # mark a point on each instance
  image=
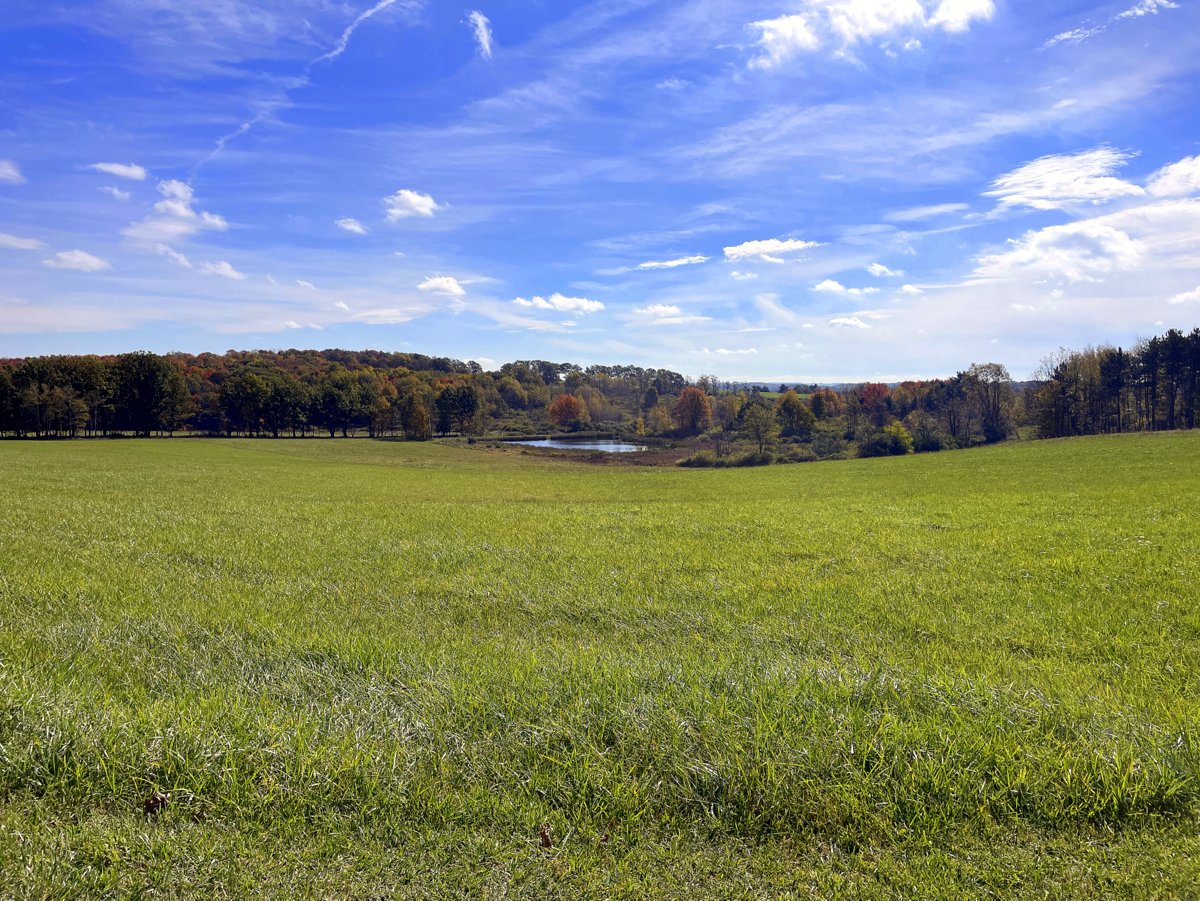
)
(607, 445)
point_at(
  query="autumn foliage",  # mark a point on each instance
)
(566, 411)
(693, 411)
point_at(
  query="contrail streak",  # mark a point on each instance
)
(338, 49)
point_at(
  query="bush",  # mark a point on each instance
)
(701, 460)
(892, 441)
(828, 445)
(802, 454)
(708, 460)
(766, 458)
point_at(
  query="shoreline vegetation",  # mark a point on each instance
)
(702, 423)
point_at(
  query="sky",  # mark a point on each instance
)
(792, 190)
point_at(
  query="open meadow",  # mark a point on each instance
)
(373, 669)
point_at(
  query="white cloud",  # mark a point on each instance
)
(829, 286)
(1083, 251)
(405, 203)
(911, 290)
(173, 255)
(343, 306)
(1176, 180)
(1117, 271)
(444, 285)
(668, 314)
(291, 323)
(1074, 36)
(174, 216)
(351, 225)
(174, 189)
(673, 264)
(926, 212)
(561, 303)
(771, 250)
(848, 322)
(483, 32)
(1061, 181)
(861, 20)
(743, 276)
(1081, 34)
(957, 15)
(10, 173)
(13, 242)
(115, 193)
(309, 286)
(881, 271)
(224, 270)
(1186, 297)
(385, 316)
(1147, 8)
(726, 352)
(843, 24)
(781, 39)
(78, 260)
(121, 170)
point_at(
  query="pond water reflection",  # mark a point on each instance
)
(608, 445)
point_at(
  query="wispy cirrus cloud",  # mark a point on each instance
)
(673, 264)
(173, 256)
(917, 214)
(351, 225)
(481, 28)
(10, 173)
(1086, 32)
(129, 171)
(729, 352)
(14, 242)
(1062, 181)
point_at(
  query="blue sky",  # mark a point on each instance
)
(790, 190)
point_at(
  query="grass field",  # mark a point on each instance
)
(366, 669)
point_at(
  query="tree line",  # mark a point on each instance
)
(345, 393)
(1152, 387)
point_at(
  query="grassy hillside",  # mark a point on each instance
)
(363, 669)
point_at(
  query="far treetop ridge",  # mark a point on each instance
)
(386, 395)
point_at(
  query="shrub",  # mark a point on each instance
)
(891, 441)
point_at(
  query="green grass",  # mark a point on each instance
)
(368, 669)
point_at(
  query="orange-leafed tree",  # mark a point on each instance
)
(567, 411)
(692, 411)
